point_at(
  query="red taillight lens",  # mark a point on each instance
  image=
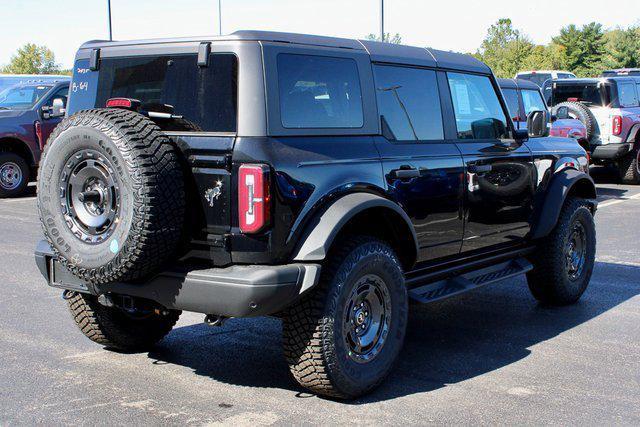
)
(37, 127)
(253, 198)
(616, 125)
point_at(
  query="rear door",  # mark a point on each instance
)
(499, 172)
(423, 171)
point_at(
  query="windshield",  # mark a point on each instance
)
(22, 97)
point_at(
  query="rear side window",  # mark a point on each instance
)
(478, 111)
(627, 95)
(319, 92)
(409, 103)
(532, 101)
(204, 96)
(511, 96)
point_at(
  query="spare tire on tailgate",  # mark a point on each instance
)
(111, 195)
(580, 112)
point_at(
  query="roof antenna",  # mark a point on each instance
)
(109, 13)
(382, 20)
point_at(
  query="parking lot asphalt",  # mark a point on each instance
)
(493, 356)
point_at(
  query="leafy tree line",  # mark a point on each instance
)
(33, 59)
(585, 51)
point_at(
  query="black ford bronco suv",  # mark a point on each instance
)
(324, 181)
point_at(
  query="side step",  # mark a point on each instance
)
(442, 289)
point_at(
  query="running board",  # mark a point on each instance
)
(466, 282)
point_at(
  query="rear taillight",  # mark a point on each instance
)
(37, 127)
(253, 198)
(616, 125)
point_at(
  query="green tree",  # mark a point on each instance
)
(388, 38)
(32, 59)
(504, 49)
(583, 48)
(548, 57)
(623, 48)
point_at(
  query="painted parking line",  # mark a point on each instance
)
(616, 201)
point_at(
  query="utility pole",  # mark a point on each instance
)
(109, 13)
(220, 16)
(381, 20)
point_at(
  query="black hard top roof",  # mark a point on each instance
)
(381, 52)
(517, 83)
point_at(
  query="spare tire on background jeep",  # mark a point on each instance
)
(580, 112)
(119, 184)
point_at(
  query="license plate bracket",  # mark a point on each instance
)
(60, 277)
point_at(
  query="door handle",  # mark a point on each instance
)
(480, 168)
(405, 173)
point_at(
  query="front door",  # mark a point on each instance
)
(423, 172)
(500, 174)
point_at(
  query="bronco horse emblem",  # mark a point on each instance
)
(213, 194)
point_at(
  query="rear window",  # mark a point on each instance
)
(409, 103)
(204, 96)
(627, 95)
(589, 93)
(319, 92)
(536, 78)
(566, 76)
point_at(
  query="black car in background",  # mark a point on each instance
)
(28, 113)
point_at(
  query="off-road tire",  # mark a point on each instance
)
(550, 281)
(582, 113)
(629, 167)
(13, 160)
(313, 337)
(115, 329)
(146, 166)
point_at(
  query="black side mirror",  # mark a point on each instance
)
(537, 124)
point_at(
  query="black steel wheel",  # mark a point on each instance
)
(343, 338)
(564, 260)
(111, 195)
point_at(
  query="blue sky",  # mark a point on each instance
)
(457, 25)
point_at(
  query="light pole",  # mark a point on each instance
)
(109, 14)
(220, 17)
(381, 20)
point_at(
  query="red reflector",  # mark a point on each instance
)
(573, 99)
(37, 126)
(253, 198)
(616, 125)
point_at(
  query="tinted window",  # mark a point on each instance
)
(566, 76)
(478, 111)
(538, 79)
(532, 101)
(204, 96)
(588, 93)
(511, 96)
(627, 95)
(409, 103)
(319, 92)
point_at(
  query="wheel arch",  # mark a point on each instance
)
(566, 183)
(359, 213)
(19, 147)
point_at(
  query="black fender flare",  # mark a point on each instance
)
(562, 183)
(324, 228)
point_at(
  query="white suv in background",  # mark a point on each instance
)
(540, 76)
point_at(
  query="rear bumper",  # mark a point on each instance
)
(610, 151)
(236, 291)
